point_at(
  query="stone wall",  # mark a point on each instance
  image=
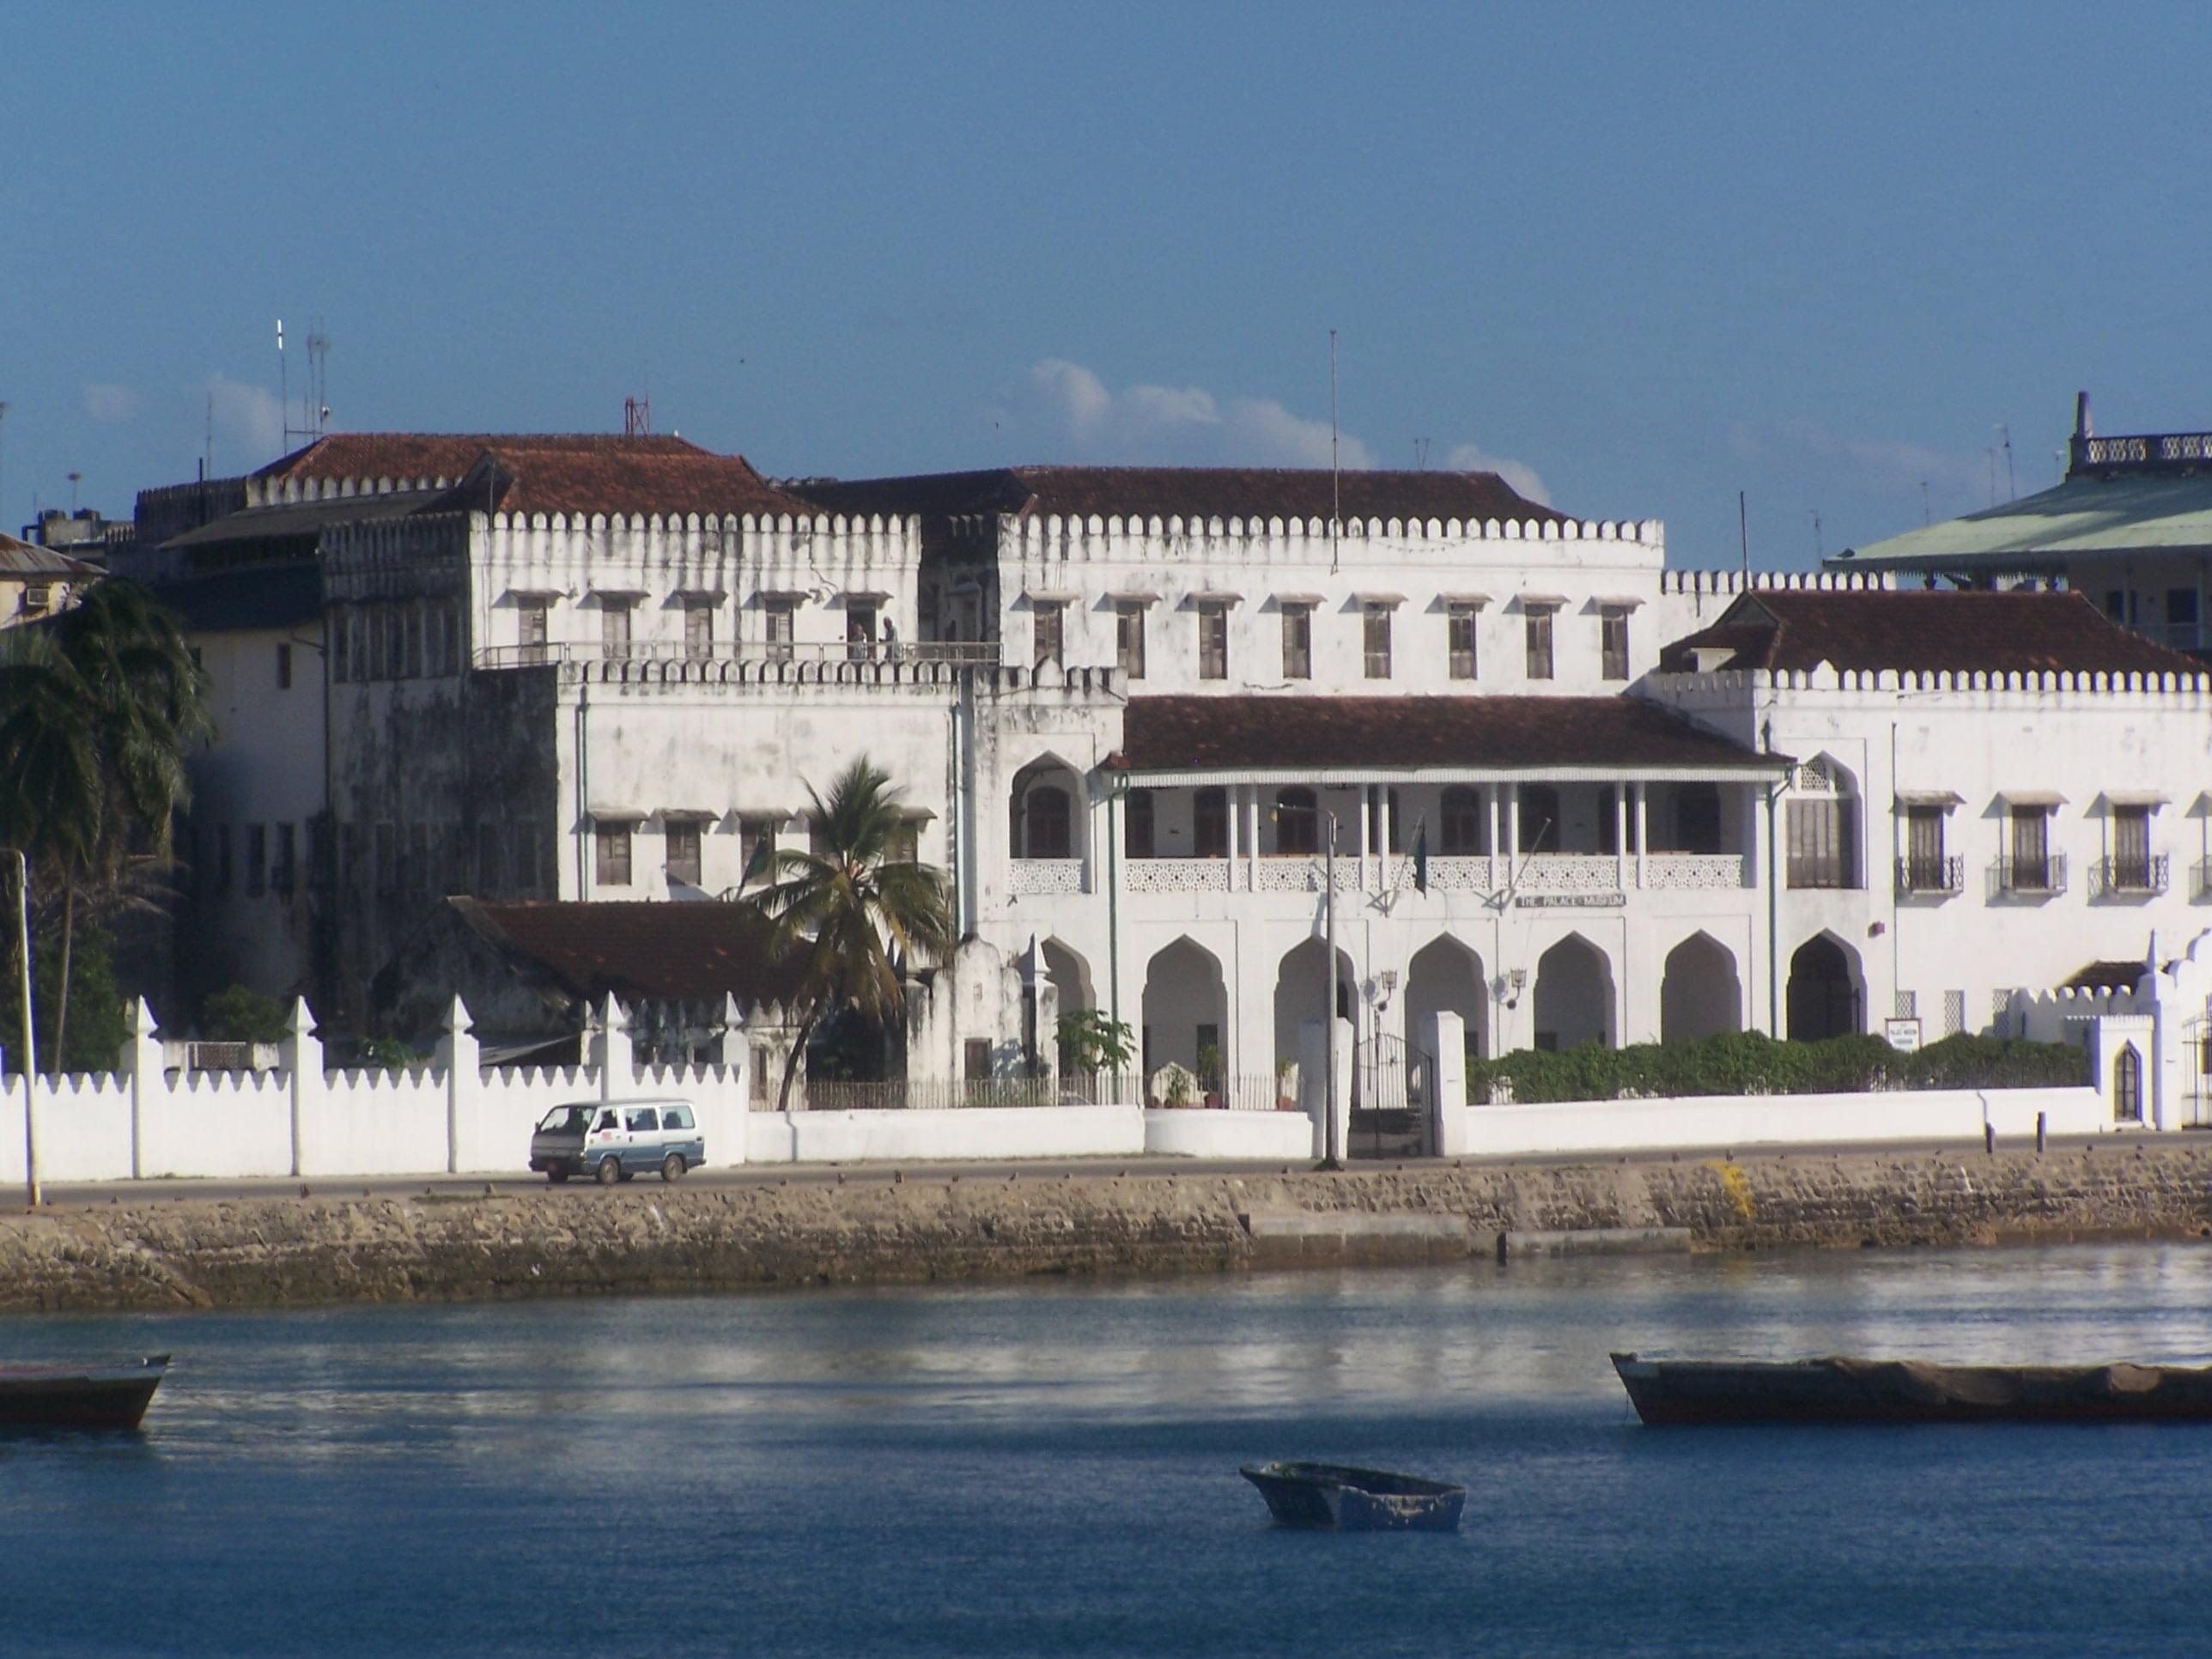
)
(456, 1243)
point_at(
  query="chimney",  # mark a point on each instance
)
(2077, 446)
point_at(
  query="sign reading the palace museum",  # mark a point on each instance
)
(1570, 901)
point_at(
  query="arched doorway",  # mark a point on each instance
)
(1823, 998)
(2127, 1086)
(1045, 811)
(1186, 1007)
(1700, 993)
(1302, 992)
(1445, 977)
(1574, 995)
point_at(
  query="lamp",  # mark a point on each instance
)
(1509, 986)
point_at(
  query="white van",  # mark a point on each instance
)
(616, 1140)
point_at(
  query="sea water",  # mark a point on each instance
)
(1049, 1467)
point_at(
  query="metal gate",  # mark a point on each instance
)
(1392, 1087)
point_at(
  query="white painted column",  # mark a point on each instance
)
(141, 1061)
(1490, 800)
(300, 1054)
(458, 1053)
(1620, 853)
(1445, 1035)
(1643, 828)
(1251, 810)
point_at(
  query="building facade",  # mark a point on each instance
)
(1173, 732)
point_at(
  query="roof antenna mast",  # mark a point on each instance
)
(1335, 477)
(1743, 535)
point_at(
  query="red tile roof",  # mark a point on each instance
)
(1504, 733)
(552, 472)
(1916, 631)
(688, 952)
(1188, 492)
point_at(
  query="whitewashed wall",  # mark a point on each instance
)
(1725, 1121)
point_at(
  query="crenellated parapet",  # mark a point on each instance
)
(1726, 584)
(1116, 539)
(2175, 692)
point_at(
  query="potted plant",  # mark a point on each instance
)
(1209, 1075)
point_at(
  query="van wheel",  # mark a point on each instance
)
(557, 1174)
(610, 1169)
(671, 1167)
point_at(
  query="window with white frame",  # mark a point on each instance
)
(611, 848)
(614, 627)
(1537, 627)
(698, 627)
(1459, 623)
(1047, 618)
(1297, 639)
(1212, 640)
(683, 841)
(1375, 638)
(775, 628)
(1129, 638)
(1612, 643)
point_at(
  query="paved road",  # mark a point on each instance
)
(796, 1175)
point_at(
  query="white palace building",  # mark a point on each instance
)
(1574, 795)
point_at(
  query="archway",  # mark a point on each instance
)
(1823, 998)
(1045, 811)
(2127, 1086)
(1700, 993)
(1302, 992)
(1070, 975)
(1445, 977)
(1185, 1008)
(1574, 995)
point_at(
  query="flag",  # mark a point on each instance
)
(1421, 858)
(763, 855)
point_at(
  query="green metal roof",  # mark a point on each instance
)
(2084, 518)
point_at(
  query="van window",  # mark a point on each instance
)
(643, 1118)
(566, 1120)
(675, 1117)
(609, 1121)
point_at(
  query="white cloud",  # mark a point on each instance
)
(1169, 425)
(1474, 457)
(249, 417)
(1190, 426)
(1890, 467)
(109, 404)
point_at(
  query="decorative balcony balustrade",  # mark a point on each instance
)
(1032, 877)
(2129, 878)
(1537, 878)
(1931, 878)
(2028, 878)
(965, 652)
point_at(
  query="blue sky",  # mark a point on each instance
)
(1638, 256)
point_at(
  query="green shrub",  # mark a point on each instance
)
(238, 1013)
(1747, 1063)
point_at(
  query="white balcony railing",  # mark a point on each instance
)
(1567, 875)
(1036, 877)
(973, 652)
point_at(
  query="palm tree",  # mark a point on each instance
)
(852, 912)
(98, 710)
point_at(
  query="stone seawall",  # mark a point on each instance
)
(454, 1245)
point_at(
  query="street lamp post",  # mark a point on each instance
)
(30, 1036)
(1329, 1159)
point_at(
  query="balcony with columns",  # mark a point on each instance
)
(1538, 843)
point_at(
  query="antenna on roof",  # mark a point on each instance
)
(1819, 553)
(2012, 484)
(314, 411)
(637, 417)
(1420, 454)
(1743, 535)
(283, 388)
(1335, 477)
(4, 476)
(1926, 515)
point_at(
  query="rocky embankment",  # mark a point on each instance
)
(455, 1243)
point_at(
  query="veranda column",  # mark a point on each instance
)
(1643, 828)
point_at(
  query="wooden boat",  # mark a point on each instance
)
(1670, 1393)
(78, 1397)
(1334, 1497)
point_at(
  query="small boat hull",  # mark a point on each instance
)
(1337, 1498)
(79, 1397)
(1684, 1393)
